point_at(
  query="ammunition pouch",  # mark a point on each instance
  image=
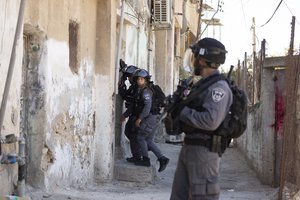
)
(216, 144)
(202, 142)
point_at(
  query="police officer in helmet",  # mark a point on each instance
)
(197, 172)
(128, 95)
(146, 122)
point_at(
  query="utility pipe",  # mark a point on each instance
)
(119, 47)
(11, 65)
(149, 48)
(21, 168)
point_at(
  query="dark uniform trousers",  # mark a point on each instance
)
(199, 168)
(131, 133)
(146, 135)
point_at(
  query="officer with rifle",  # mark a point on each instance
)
(197, 172)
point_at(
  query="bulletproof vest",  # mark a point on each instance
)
(197, 104)
(139, 101)
(130, 95)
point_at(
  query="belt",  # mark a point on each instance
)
(197, 141)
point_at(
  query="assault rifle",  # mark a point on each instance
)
(180, 93)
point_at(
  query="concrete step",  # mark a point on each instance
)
(125, 171)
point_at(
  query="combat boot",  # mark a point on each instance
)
(133, 159)
(163, 162)
(145, 161)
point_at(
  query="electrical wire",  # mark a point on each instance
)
(211, 18)
(244, 13)
(291, 12)
(272, 14)
(138, 16)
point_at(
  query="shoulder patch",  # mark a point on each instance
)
(147, 95)
(218, 94)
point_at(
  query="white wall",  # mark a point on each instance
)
(8, 21)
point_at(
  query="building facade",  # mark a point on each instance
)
(63, 99)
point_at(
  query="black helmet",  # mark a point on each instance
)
(210, 49)
(142, 73)
(129, 70)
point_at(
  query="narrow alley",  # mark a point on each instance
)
(238, 182)
(66, 87)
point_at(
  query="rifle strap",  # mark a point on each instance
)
(202, 86)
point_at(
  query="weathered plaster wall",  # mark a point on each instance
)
(258, 141)
(192, 17)
(251, 141)
(104, 89)
(73, 137)
(8, 21)
(142, 47)
(70, 119)
(135, 45)
(178, 9)
(130, 39)
(161, 58)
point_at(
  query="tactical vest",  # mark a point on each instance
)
(139, 101)
(197, 104)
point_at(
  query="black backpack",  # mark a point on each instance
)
(158, 100)
(235, 122)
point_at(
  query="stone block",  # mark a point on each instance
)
(124, 171)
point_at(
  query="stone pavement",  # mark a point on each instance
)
(238, 182)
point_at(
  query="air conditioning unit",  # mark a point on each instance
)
(162, 14)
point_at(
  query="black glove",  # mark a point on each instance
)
(177, 110)
(123, 65)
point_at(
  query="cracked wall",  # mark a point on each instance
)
(64, 125)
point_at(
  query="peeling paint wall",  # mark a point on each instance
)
(60, 122)
(70, 115)
(67, 113)
(69, 133)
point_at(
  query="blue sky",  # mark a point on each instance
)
(236, 33)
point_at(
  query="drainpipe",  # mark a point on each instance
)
(184, 21)
(199, 20)
(149, 48)
(11, 66)
(119, 47)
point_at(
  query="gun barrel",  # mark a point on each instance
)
(230, 71)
